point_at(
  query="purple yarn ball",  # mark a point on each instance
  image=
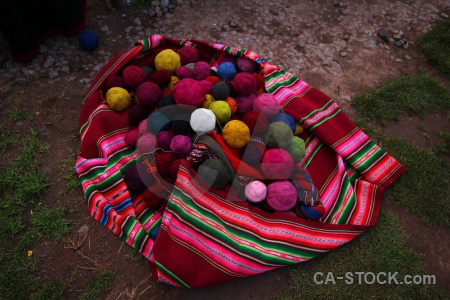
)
(147, 143)
(201, 70)
(181, 145)
(148, 94)
(184, 72)
(163, 139)
(246, 65)
(245, 104)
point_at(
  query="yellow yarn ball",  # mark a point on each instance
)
(298, 129)
(222, 111)
(236, 134)
(167, 60)
(173, 80)
(118, 98)
(208, 100)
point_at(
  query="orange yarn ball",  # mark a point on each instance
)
(236, 134)
(232, 103)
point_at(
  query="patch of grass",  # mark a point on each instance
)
(425, 187)
(383, 248)
(67, 169)
(418, 94)
(7, 138)
(101, 283)
(52, 223)
(435, 45)
(445, 147)
(50, 291)
(17, 114)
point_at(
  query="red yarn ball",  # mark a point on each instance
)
(188, 55)
(161, 78)
(277, 164)
(259, 80)
(148, 94)
(189, 91)
(133, 76)
(163, 162)
(244, 84)
(201, 70)
(212, 79)
(256, 122)
(281, 195)
(184, 72)
(114, 81)
(137, 113)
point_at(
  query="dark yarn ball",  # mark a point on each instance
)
(148, 71)
(114, 81)
(184, 72)
(148, 94)
(201, 70)
(165, 101)
(161, 78)
(134, 76)
(174, 168)
(163, 162)
(137, 113)
(157, 122)
(220, 91)
(88, 40)
(137, 178)
(181, 125)
(254, 151)
(214, 173)
(245, 104)
(152, 201)
(244, 84)
(256, 122)
(163, 139)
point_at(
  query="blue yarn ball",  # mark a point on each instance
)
(226, 70)
(288, 119)
(308, 212)
(88, 40)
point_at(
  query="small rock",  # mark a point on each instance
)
(53, 74)
(137, 21)
(407, 57)
(48, 62)
(343, 53)
(405, 45)
(397, 36)
(382, 33)
(83, 229)
(408, 28)
(348, 98)
(398, 60)
(43, 48)
(444, 15)
(399, 43)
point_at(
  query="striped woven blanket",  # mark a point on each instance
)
(204, 239)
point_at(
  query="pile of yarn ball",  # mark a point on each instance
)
(178, 97)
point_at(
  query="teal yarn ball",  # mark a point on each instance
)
(88, 40)
(157, 122)
(278, 135)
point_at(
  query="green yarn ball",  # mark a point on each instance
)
(297, 148)
(278, 135)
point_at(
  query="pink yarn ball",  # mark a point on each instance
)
(246, 65)
(181, 145)
(255, 191)
(267, 104)
(147, 143)
(143, 127)
(148, 94)
(184, 72)
(188, 55)
(132, 137)
(277, 164)
(281, 195)
(189, 91)
(164, 138)
(201, 70)
(244, 84)
(244, 104)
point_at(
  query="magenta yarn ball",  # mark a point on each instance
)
(255, 191)
(181, 145)
(184, 72)
(229, 58)
(206, 86)
(148, 94)
(137, 113)
(244, 84)
(147, 143)
(132, 137)
(246, 65)
(277, 164)
(244, 104)
(189, 91)
(189, 55)
(267, 104)
(114, 81)
(134, 76)
(163, 139)
(281, 195)
(201, 70)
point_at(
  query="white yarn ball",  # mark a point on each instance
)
(203, 120)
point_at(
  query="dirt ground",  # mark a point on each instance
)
(56, 105)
